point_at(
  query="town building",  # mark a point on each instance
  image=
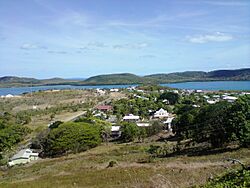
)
(168, 123)
(22, 157)
(104, 108)
(131, 118)
(161, 114)
(115, 131)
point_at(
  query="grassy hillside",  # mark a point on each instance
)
(133, 169)
(13, 81)
(124, 78)
(239, 74)
(178, 76)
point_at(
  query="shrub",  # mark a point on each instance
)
(130, 132)
(71, 138)
(112, 163)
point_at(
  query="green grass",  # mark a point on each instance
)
(89, 169)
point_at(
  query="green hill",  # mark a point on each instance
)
(124, 78)
(239, 74)
(13, 81)
(127, 78)
(178, 76)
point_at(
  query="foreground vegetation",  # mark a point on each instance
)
(236, 178)
(133, 167)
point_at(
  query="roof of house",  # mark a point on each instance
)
(104, 107)
(24, 154)
(169, 120)
(229, 98)
(130, 117)
(143, 124)
(115, 128)
(161, 112)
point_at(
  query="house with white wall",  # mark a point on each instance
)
(22, 157)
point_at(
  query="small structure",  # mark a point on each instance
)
(166, 101)
(161, 114)
(9, 96)
(212, 101)
(114, 90)
(100, 92)
(142, 124)
(198, 91)
(112, 119)
(22, 157)
(131, 118)
(168, 122)
(115, 131)
(230, 98)
(104, 108)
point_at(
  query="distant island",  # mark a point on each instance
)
(127, 78)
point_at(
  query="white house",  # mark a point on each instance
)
(168, 122)
(131, 117)
(115, 131)
(22, 157)
(114, 90)
(100, 92)
(166, 101)
(161, 113)
(199, 91)
(230, 98)
(212, 101)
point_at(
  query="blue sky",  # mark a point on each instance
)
(81, 38)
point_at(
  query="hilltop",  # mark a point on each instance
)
(14, 81)
(126, 78)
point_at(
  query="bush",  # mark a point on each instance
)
(11, 135)
(239, 178)
(112, 163)
(130, 132)
(71, 138)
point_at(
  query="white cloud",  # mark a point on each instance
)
(97, 44)
(226, 3)
(216, 37)
(57, 52)
(29, 46)
(140, 45)
(149, 56)
(72, 18)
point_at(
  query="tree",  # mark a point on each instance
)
(173, 98)
(130, 132)
(219, 124)
(71, 137)
(52, 116)
(155, 128)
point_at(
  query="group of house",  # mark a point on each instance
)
(217, 98)
(9, 96)
(161, 115)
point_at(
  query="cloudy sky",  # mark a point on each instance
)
(81, 38)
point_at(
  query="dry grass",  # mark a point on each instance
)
(89, 169)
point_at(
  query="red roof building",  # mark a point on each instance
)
(104, 107)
